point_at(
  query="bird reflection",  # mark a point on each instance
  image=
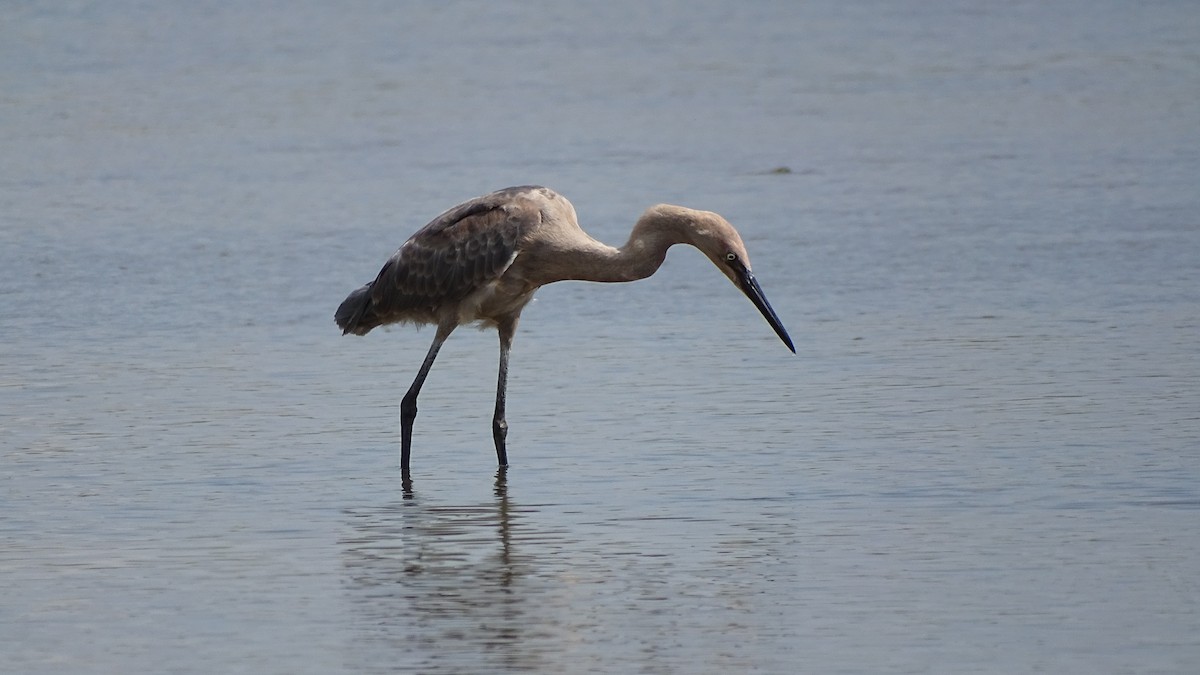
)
(434, 585)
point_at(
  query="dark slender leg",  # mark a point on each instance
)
(499, 425)
(408, 404)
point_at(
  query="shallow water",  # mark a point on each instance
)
(984, 458)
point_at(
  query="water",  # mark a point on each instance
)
(985, 457)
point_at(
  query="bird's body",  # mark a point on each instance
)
(482, 261)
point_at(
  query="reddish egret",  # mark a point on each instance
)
(482, 261)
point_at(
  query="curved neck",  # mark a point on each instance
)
(640, 257)
(568, 253)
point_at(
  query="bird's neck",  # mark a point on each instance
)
(640, 256)
(570, 254)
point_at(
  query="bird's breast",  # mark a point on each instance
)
(495, 301)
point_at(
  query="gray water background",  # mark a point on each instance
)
(984, 458)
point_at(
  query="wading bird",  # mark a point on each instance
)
(482, 261)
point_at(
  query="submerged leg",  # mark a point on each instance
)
(499, 424)
(408, 404)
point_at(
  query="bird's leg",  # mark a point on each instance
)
(408, 404)
(499, 424)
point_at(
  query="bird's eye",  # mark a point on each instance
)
(731, 256)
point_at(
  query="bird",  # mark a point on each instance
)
(480, 263)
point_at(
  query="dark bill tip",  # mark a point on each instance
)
(753, 291)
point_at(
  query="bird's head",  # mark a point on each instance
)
(718, 240)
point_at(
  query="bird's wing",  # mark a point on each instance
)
(457, 252)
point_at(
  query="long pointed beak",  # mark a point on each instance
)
(750, 287)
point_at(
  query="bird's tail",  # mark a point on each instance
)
(355, 314)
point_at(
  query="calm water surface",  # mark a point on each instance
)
(984, 458)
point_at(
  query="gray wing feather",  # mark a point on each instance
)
(454, 254)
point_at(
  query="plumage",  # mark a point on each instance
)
(455, 255)
(482, 261)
